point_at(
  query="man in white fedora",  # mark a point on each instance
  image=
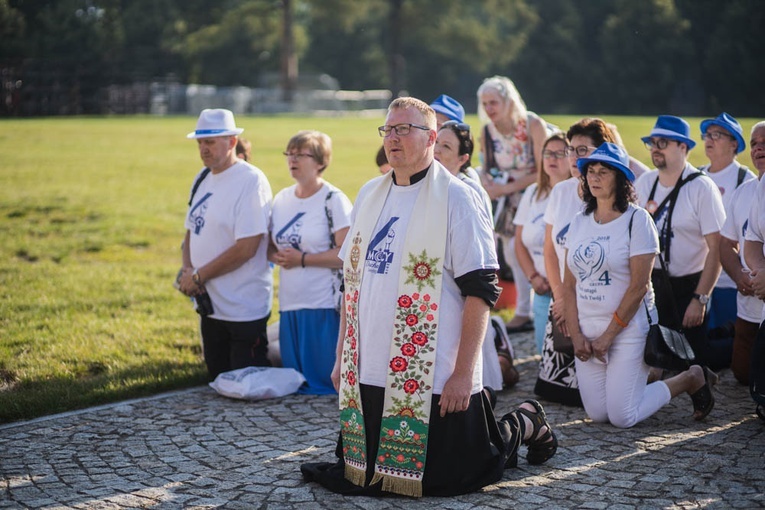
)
(224, 252)
(688, 210)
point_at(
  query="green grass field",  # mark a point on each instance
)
(91, 219)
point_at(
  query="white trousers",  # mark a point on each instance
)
(616, 391)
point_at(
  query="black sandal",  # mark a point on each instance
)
(704, 399)
(540, 448)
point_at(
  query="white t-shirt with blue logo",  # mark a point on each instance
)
(735, 228)
(598, 256)
(563, 205)
(726, 181)
(699, 212)
(301, 223)
(228, 206)
(530, 215)
(469, 247)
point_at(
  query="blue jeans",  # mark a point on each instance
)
(541, 306)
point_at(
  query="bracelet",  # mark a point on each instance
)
(533, 275)
(619, 321)
(302, 260)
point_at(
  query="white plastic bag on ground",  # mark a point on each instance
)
(258, 383)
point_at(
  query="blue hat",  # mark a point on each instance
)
(610, 154)
(445, 105)
(673, 128)
(728, 123)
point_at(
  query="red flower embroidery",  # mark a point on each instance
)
(426, 297)
(411, 320)
(434, 306)
(419, 338)
(430, 317)
(351, 378)
(398, 364)
(415, 296)
(411, 386)
(353, 342)
(350, 330)
(423, 308)
(404, 301)
(408, 349)
(355, 357)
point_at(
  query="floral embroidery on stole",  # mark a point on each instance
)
(400, 462)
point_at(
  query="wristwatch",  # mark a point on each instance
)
(703, 298)
(195, 277)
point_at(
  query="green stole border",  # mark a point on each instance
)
(400, 462)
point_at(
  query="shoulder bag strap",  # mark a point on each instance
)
(666, 234)
(488, 149)
(197, 183)
(330, 223)
(742, 171)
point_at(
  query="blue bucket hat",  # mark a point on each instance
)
(672, 128)
(728, 123)
(450, 107)
(610, 154)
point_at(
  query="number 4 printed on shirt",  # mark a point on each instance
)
(605, 278)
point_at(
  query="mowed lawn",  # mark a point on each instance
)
(91, 219)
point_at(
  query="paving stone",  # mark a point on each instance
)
(195, 449)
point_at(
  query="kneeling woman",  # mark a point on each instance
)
(608, 295)
(309, 222)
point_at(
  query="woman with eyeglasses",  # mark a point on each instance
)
(454, 149)
(309, 222)
(511, 149)
(610, 251)
(530, 228)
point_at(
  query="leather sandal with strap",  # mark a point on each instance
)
(540, 447)
(704, 398)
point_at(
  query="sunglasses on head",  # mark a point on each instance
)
(459, 126)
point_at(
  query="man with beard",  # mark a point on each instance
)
(688, 211)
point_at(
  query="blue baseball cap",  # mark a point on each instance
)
(672, 128)
(610, 154)
(728, 123)
(450, 107)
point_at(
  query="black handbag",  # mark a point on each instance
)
(665, 347)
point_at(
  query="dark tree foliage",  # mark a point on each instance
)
(595, 56)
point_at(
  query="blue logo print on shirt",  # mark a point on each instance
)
(378, 259)
(560, 239)
(289, 235)
(589, 259)
(197, 213)
(744, 228)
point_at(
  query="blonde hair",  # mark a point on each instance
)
(505, 88)
(428, 114)
(315, 142)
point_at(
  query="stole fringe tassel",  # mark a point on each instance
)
(355, 476)
(398, 485)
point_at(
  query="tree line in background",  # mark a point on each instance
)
(687, 57)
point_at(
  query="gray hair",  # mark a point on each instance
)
(505, 88)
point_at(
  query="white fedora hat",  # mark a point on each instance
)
(215, 122)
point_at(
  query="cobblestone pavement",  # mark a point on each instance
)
(195, 449)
